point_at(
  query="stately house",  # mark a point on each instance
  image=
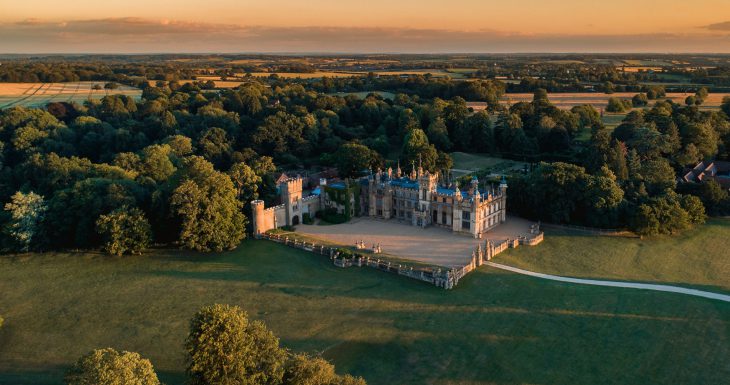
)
(416, 199)
(704, 171)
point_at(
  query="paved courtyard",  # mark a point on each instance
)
(432, 245)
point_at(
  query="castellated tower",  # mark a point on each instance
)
(259, 221)
(291, 196)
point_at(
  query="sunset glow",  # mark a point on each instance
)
(373, 26)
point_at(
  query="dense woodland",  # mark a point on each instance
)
(179, 166)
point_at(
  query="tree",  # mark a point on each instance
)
(639, 100)
(124, 231)
(224, 347)
(209, 212)
(438, 134)
(245, 181)
(26, 213)
(478, 126)
(417, 150)
(354, 158)
(302, 369)
(618, 105)
(110, 367)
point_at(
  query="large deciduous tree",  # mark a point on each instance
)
(417, 150)
(354, 158)
(208, 209)
(224, 347)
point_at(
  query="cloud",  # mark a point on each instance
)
(140, 35)
(724, 26)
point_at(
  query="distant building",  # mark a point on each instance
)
(718, 171)
(416, 199)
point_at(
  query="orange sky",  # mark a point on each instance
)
(400, 25)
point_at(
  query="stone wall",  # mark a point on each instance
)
(441, 277)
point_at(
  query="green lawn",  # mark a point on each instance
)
(494, 328)
(468, 161)
(697, 258)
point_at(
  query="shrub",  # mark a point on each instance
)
(302, 369)
(110, 367)
(345, 253)
(307, 219)
(332, 216)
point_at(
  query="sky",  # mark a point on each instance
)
(371, 26)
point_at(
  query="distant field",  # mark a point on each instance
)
(40, 94)
(598, 100)
(313, 75)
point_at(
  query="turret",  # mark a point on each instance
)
(474, 188)
(503, 186)
(398, 172)
(257, 210)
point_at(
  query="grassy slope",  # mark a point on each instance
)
(471, 161)
(494, 328)
(699, 257)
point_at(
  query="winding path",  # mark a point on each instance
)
(631, 285)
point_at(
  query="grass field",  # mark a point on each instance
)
(474, 162)
(40, 94)
(494, 328)
(699, 257)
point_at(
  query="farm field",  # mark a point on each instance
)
(598, 100)
(40, 94)
(503, 328)
(698, 257)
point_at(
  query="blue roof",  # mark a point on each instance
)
(338, 185)
(405, 183)
(317, 191)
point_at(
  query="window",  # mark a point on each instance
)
(465, 225)
(443, 217)
(465, 215)
(380, 212)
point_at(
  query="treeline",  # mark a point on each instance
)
(180, 166)
(423, 86)
(57, 71)
(627, 178)
(223, 347)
